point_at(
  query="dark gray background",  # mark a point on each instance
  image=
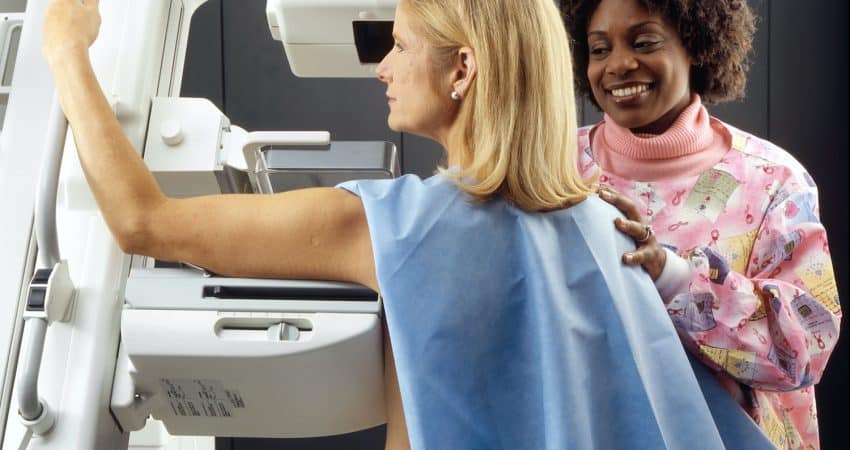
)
(13, 5)
(797, 98)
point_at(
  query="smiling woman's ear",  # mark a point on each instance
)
(464, 71)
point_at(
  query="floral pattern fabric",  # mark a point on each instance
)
(762, 308)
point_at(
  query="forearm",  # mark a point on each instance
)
(765, 329)
(121, 184)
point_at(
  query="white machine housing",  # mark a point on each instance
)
(10, 34)
(288, 367)
(217, 356)
(319, 36)
(270, 368)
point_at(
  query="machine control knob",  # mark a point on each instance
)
(171, 132)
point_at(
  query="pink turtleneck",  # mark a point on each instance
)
(694, 143)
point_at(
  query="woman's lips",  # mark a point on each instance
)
(629, 94)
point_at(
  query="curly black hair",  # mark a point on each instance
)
(718, 35)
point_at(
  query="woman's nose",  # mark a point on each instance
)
(621, 62)
(381, 70)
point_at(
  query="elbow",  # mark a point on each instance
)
(134, 232)
(132, 237)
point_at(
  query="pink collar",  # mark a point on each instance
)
(690, 133)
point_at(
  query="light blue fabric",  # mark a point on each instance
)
(525, 331)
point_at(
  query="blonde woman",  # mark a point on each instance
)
(513, 322)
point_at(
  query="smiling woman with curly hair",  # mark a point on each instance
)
(725, 222)
(718, 36)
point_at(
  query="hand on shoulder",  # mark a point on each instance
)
(649, 253)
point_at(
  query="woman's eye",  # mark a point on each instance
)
(598, 51)
(398, 46)
(644, 45)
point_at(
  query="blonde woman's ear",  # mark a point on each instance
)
(465, 71)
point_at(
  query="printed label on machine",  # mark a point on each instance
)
(201, 398)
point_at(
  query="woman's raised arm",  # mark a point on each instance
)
(311, 234)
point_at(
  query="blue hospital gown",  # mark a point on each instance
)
(516, 330)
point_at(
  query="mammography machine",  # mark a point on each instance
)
(95, 342)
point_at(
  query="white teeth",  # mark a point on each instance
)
(631, 90)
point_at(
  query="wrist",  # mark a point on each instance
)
(59, 56)
(675, 277)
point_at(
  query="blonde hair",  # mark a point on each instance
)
(518, 120)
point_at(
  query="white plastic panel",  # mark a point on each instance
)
(10, 37)
(209, 373)
(184, 145)
(154, 437)
(318, 37)
(79, 356)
